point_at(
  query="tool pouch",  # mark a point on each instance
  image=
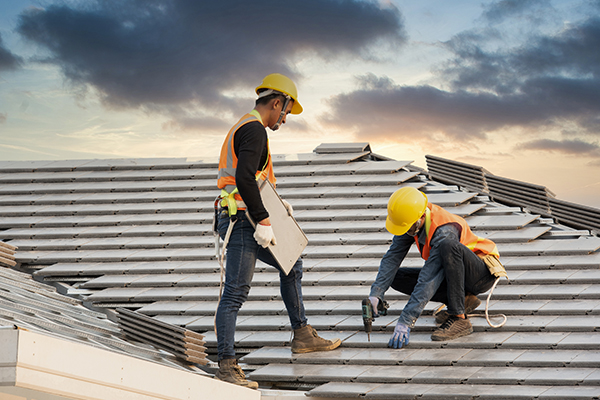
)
(382, 307)
(494, 265)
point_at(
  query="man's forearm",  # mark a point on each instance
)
(389, 265)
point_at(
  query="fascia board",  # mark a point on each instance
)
(8, 355)
(77, 371)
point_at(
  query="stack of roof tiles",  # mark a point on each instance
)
(137, 234)
(183, 343)
(7, 254)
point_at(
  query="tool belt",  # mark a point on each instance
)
(494, 265)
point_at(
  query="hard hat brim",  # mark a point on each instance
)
(296, 108)
(394, 229)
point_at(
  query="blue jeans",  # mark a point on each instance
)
(242, 253)
(450, 271)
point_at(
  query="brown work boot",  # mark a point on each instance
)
(453, 328)
(306, 340)
(230, 371)
(471, 303)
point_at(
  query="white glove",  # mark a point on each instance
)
(264, 235)
(374, 303)
(288, 207)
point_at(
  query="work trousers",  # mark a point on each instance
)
(242, 253)
(450, 271)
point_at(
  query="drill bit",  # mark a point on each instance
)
(367, 314)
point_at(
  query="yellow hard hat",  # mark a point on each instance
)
(405, 207)
(283, 84)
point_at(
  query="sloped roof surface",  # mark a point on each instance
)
(37, 307)
(137, 234)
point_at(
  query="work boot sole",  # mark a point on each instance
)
(471, 303)
(248, 384)
(332, 346)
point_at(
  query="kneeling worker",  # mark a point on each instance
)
(453, 273)
(245, 157)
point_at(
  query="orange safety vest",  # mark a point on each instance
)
(436, 216)
(228, 161)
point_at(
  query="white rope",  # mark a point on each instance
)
(221, 259)
(487, 304)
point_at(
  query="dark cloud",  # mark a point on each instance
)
(575, 147)
(8, 60)
(548, 81)
(570, 54)
(413, 111)
(2, 118)
(533, 10)
(160, 53)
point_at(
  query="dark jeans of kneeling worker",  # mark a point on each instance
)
(463, 271)
(242, 253)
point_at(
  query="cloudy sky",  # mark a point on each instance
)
(510, 85)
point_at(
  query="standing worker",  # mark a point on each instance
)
(458, 266)
(245, 157)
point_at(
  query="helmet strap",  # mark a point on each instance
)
(282, 114)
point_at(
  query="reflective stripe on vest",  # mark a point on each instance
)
(436, 216)
(228, 159)
(228, 165)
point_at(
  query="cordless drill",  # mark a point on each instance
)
(368, 314)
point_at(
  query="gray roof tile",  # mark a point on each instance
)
(309, 373)
(534, 340)
(116, 294)
(435, 356)
(445, 375)
(391, 374)
(573, 392)
(545, 358)
(489, 358)
(500, 221)
(580, 340)
(498, 375)
(566, 376)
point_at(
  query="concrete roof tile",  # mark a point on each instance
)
(572, 392)
(546, 358)
(391, 374)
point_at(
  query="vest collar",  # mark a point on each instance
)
(257, 115)
(427, 220)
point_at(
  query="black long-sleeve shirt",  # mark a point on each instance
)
(250, 146)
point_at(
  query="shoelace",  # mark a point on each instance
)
(448, 323)
(239, 371)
